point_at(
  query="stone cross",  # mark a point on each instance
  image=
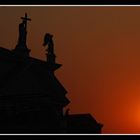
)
(25, 19)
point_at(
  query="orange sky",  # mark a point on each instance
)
(99, 48)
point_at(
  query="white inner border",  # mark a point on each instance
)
(70, 6)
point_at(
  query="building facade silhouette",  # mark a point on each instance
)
(31, 97)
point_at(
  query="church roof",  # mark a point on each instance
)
(34, 76)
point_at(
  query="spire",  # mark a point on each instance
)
(21, 47)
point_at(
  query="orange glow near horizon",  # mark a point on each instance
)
(99, 48)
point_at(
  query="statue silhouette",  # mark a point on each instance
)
(48, 41)
(67, 112)
(22, 33)
(21, 47)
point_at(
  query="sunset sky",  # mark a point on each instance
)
(99, 48)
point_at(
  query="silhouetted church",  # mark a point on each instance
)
(31, 97)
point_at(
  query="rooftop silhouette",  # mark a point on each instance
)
(32, 99)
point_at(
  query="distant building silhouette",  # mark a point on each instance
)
(82, 123)
(31, 97)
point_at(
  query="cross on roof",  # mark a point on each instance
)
(25, 19)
